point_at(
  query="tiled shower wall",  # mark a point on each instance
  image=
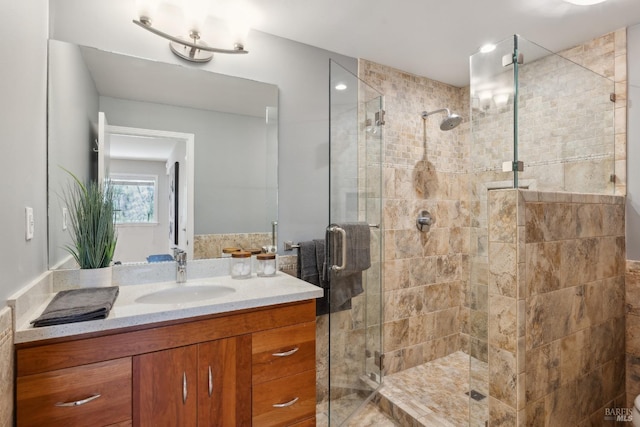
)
(556, 307)
(424, 272)
(632, 298)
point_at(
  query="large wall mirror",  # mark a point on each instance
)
(194, 153)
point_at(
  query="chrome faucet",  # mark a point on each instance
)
(181, 265)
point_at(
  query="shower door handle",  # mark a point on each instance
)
(334, 229)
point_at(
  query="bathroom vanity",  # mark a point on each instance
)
(245, 366)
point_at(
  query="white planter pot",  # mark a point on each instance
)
(94, 277)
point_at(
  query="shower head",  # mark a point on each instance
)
(451, 121)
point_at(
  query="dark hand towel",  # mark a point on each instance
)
(307, 265)
(347, 283)
(78, 305)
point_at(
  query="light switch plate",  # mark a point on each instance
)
(29, 224)
(65, 218)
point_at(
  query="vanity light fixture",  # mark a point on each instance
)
(190, 48)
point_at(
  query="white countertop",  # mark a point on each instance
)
(249, 293)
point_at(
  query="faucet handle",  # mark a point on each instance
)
(179, 254)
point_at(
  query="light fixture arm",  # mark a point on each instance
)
(146, 24)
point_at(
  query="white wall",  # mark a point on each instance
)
(633, 144)
(230, 161)
(72, 122)
(23, 46)
(301, 73)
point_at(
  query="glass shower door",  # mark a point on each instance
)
(355, 186)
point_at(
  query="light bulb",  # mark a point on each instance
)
(146, 8)
(195, 13)
(585, 2)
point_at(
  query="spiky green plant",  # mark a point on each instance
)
(92, 223)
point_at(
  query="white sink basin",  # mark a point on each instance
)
(185, 294)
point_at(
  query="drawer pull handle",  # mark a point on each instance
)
(286, 353)
(184, 387)
(78, 402)
(210, 382)
(284, 405)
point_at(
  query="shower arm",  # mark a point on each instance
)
(427, 114)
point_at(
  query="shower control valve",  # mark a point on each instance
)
(424, 220)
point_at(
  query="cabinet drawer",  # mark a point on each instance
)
(283, 351)
(285, 401)
(39, 396)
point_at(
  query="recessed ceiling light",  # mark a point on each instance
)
(585, 2)
(489, 47)
(341, 86)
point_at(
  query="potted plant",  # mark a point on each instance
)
(92, 229)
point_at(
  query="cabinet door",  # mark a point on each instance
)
(224, 382)
(164, 388)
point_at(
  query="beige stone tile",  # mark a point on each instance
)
(549, 317)
(560, 406)
(632, 289)
(534, 222)
(589, 220)
(620, 41)
(633, 334)
(7, 374)
(536, 413)
(632, 375)
(502, 269)
(543, 367)
(396, 334)
(613, 378)
(613, 224)
(614, 297)
(503, 219)
(500, 414)
(503, 376)
(591, 392)
(396, 274)
(479, 324)
(503, 322)
(572, 348)
(448, 268)
(542, 267)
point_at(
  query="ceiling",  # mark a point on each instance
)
(435, 38)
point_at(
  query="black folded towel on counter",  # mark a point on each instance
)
(78, 305)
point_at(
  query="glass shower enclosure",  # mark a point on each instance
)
(355, 182)
(539, 121)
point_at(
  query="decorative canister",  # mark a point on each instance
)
(266, 265)
(240, 265)
(254, 254)
(226, 252)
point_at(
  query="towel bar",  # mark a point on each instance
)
(289, 245)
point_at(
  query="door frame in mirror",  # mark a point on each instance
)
(188, 139)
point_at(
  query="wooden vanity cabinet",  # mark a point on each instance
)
(251, 367)
(203, 384)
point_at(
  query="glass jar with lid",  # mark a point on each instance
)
(240, 265)
(266, 265)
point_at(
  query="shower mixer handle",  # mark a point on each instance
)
(424, 220)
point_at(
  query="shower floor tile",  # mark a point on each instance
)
(434, 393)
(369, 416)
